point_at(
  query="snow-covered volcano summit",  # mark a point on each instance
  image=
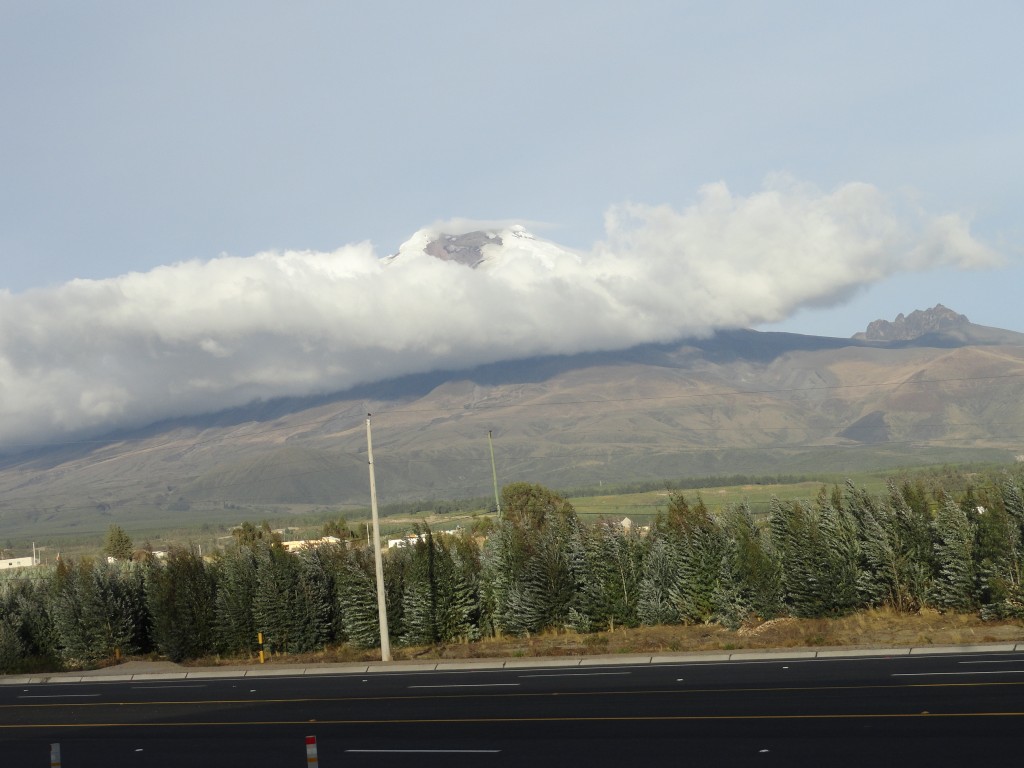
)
(486, 248)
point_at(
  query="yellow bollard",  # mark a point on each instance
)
(259, 639)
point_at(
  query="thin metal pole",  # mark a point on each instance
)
(378, 561)
(494, 474)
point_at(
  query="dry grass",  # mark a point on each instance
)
(880, 628)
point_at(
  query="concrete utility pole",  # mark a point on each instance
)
(494, 474)
(378, 562)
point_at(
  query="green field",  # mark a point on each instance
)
(641, 506)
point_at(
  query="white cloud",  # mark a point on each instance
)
(92, 355)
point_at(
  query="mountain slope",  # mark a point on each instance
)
(736, 402)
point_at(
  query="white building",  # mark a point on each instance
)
(295, 546)
(18, 562)
(409, 540)
(406, 541)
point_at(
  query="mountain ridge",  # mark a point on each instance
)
(938, 322)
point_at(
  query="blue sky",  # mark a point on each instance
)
(136, 135)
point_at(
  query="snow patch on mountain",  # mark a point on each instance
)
(509, 250)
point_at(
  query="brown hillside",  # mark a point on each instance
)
(740, 402)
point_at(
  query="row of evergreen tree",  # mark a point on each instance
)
(541, 568)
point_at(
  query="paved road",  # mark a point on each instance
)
(904, 710)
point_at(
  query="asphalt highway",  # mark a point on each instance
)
(904, 710)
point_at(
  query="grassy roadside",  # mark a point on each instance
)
(877, 628)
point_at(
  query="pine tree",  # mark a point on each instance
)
(611, 582)
(118, 544)
(528, 560)
(357, 596)
(420, 598)
(26, 606)
(438, 602)
(132, 580)
(955, 587)
(314, 610)
(818, 555)
(396, 576)
(532, 506)
(96, 613)
(12, 652)
(588, 606)
(333, 558)
(1013, 501)
(698, 556)
(456, 603)
(523, 563)
(912, 523)
(466, 559)
(880, 581)
(181, 595)
(751, 581)
(546, 586)
(654, 604)
(495, 582)
(1000, 555)
(357, 599)
(274, 603)
(839, 572)
(236, 592)
(698, 547)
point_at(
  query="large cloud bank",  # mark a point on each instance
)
(90, 356)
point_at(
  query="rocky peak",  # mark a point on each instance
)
(938, 319)
(465, 249)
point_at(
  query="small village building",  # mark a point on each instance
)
(410, 539)
(18, 562)
(295, 546)
(406, 541)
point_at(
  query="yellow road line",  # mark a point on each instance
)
(518, 695)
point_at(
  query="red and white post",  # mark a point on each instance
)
(55, 755)
(312, 761)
